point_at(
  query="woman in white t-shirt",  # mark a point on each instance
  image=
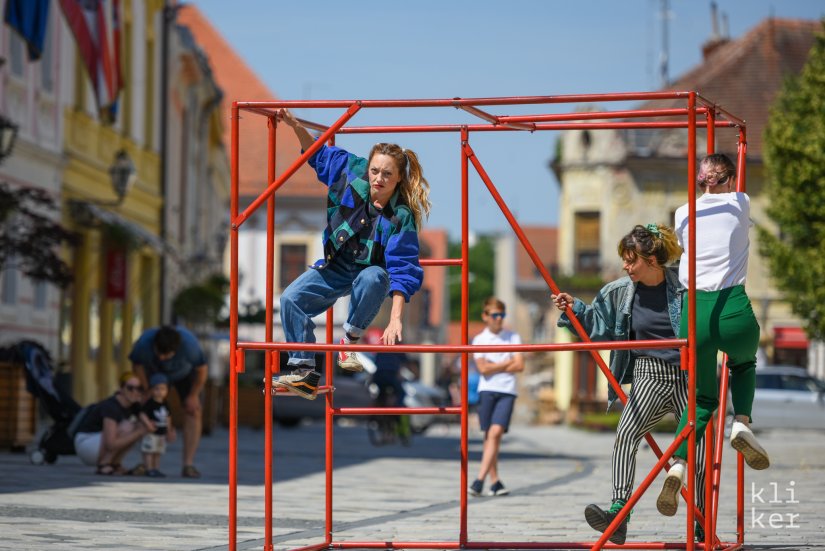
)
(724, 316)
(496, 392)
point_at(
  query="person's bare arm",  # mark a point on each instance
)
(110, 439)
(486, 367)
(144, 419)
(516, 363)
(393, 331)
(304, 137)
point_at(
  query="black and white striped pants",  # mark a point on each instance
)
(658, 388)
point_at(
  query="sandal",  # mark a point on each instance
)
(105, 469)
(137, 470)
(189, 471)
(118, 470)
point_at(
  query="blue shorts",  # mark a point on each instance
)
(495, 408)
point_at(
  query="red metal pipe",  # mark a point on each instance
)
(494, 545)
(315, 547)
(233, 335)
(740, 498)
(440, 261)
(268, 364)
(483, 115)
(237, 221)
(469, 348)
(710, 117)
(398, 411)
(691, 454)
(531, 252)
(727, 114)
(458, 102)
(329, 371)
(537, 126)
(740, 461)
(639, 492)
(465, 336)
(716, 477)
(590, 115)
(740, 160)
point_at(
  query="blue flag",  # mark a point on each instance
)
(29, 18)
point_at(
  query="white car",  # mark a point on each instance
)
(788, 397)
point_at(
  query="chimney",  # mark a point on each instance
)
(716, 39)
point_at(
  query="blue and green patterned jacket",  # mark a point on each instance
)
(386, 238)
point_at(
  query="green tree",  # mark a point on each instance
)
(29, 238)
(482, 277)
(203, 303)
(795, 168)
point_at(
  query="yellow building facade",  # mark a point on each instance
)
(112, 301)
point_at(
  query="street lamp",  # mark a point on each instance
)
(123, 175)
(8, 133)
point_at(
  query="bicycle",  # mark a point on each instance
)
(387, 429)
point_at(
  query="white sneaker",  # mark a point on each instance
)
(349, 360)
(743, 441)
(668, 502)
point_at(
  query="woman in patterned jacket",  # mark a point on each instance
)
(375, 207)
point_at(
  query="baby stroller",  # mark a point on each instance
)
(57, 439)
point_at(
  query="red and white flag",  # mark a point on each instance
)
(96, 28)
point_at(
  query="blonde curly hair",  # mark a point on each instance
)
(413, 187)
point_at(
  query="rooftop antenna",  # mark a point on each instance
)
(714, 22)
(664, 55)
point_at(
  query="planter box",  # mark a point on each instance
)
(17, 408)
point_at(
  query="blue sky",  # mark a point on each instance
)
(367, 49)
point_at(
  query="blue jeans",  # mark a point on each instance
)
(314, 291)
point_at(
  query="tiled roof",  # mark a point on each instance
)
(240, 83)
(743, 76)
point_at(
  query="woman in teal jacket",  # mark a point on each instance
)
(644, 305)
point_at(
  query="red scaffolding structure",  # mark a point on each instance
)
(698, 112)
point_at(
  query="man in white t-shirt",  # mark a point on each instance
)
(496, 392)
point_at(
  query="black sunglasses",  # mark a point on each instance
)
(132, 388)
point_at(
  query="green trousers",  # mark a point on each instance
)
(724, 321)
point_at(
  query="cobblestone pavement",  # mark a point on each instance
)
(391, 493)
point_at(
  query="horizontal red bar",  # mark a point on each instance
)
(499, 545)
(397, 411)
(315, 547)
(440, 261)
(458, 102)
(600, 115)
(537, 126)
(469, 348)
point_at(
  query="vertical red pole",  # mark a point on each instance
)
(233, 337)
(713, 448)
(691, 455)
(741, 160)
(741, 185)
(330, 423)
(329, 418)
(711, 130)
(272, 358)
(465, 308)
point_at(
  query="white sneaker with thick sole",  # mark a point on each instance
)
(743, 441)
(349, 360)
(668, 501)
